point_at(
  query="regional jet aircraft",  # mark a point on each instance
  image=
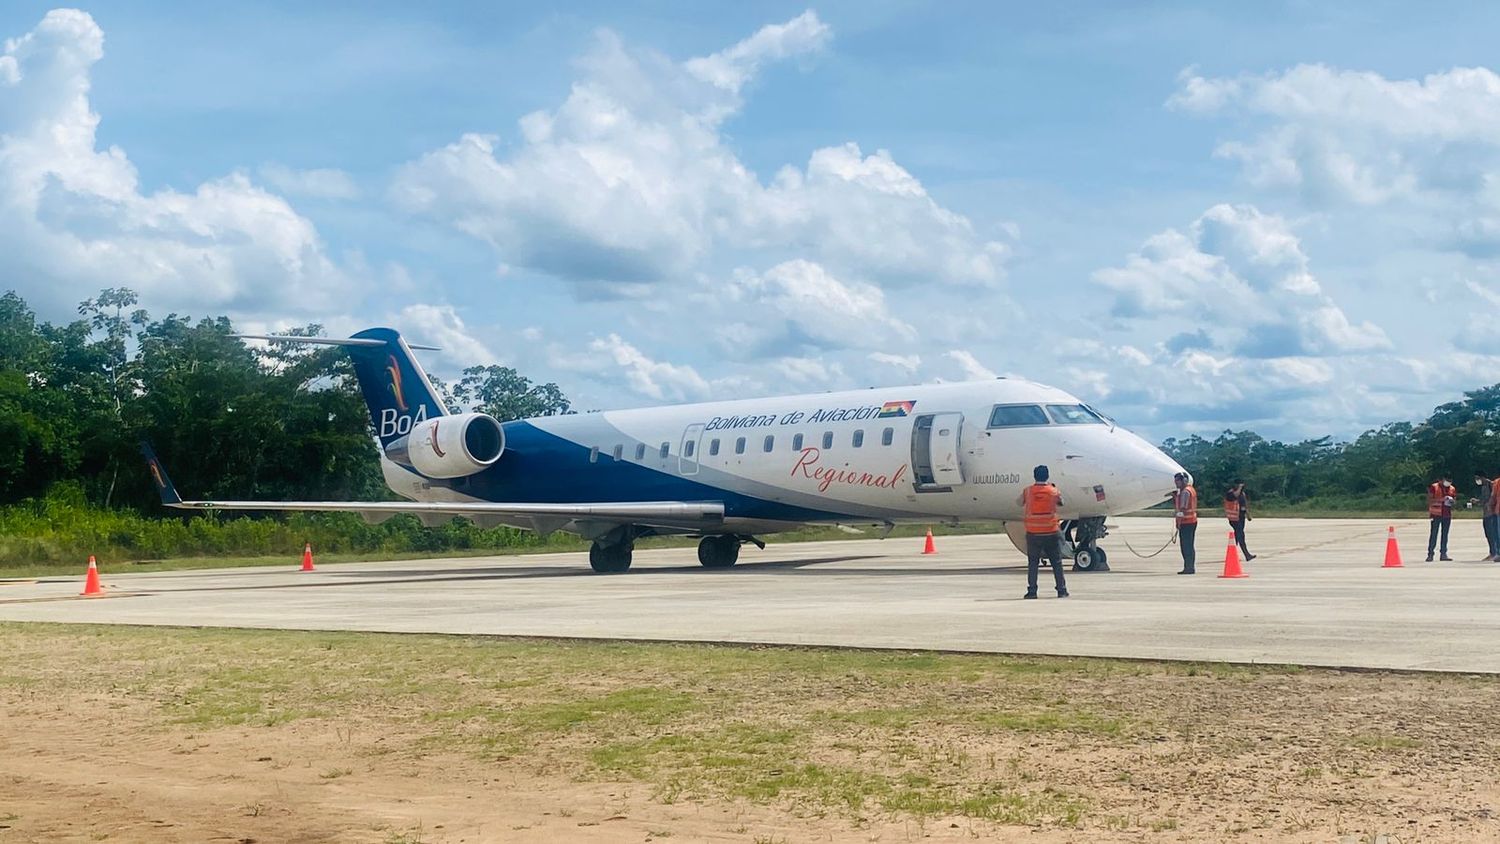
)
(730, 472)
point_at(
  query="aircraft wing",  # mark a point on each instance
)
(541, 517)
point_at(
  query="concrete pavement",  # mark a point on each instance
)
(1317, 595)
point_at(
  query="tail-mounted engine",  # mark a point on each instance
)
(450, 446)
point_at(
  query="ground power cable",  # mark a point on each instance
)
(1170, 543)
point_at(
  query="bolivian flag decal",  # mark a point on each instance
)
(896, 408)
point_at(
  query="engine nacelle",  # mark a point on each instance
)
(450, 446)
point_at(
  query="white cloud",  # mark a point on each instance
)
(1350, 136)
(1243, 274)
(799, 301)
(971, 366)
(906, 363)
(809, 371)
(730, 69)
(73, 218)
(653, 379)
(441, 326)
(317, 184)
(631, 181)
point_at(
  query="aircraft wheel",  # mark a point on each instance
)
(1086, 559)
(718, 552)
(610, 559)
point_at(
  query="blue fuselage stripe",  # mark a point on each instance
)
(538, 467)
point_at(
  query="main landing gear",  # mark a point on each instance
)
(718, 552)
(1081, 539)
(611, 559)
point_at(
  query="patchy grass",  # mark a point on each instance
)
(1033, 741)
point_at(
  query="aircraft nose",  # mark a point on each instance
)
(1146, 477)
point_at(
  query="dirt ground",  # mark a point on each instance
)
(118, 734)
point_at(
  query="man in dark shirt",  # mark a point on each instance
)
(1237, 511)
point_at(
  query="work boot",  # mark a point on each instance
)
(1187, 571)
(1062, 593)
(1249, 557)
(1445, 559)
(1429, 558)
(1030, 595)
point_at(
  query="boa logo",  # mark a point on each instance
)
(394, 370)
(394, 423)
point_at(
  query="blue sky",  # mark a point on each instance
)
(1282, 217)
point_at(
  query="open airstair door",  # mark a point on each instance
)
(934, 451)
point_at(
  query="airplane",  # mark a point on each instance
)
(730, 472)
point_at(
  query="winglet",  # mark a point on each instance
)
(164, 488)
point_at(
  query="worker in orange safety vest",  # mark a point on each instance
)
(1237, 511)
(1185, 511)
(1039, 503)
(1440, 496)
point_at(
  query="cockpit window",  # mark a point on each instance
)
(1073, 414)
(1017, 416)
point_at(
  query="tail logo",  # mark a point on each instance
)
(394, 371)
(156, 474)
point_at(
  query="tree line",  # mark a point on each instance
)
(287, 422)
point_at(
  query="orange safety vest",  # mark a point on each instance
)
(1232, 507)
(1041, 509)
(1186, 502)
(1435, 496)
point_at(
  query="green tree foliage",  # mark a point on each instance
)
(1388, 468)
(506, 394)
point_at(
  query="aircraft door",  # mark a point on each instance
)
(934, 451)
(687, 453)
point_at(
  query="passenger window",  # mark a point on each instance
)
(619, 452)
(713, 448)
(594, 454)
(859, 439)
(797, 442)
(739, 446)
(640, 451)
(1017, 416)
(888, 436)
(688, 448)
(665, 448)
(827, 439)
(1073, 414)
(770, 442)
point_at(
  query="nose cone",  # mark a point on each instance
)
(1143, 475)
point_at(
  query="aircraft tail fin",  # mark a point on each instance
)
(396, 388)
(159, 477)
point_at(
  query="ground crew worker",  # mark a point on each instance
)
(1185, 511)
(1237, 511)
(1495, 517)
(1043, 533)
(1487, 506)
(1440, 511)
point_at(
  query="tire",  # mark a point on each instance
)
(718, 552)
(1084, 559)
(610, 559)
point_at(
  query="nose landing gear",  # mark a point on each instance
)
(1081, 540)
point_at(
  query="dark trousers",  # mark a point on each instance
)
(1039, 545)
(1239, 534)
(1186, 536)
(1492, 533)
(1444, 522)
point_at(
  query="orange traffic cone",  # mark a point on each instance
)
(1232, 560)
(307, 557)
(1392, 550)
(91, 583)
(929, 548)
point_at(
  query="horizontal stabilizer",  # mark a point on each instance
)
(329, 341)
